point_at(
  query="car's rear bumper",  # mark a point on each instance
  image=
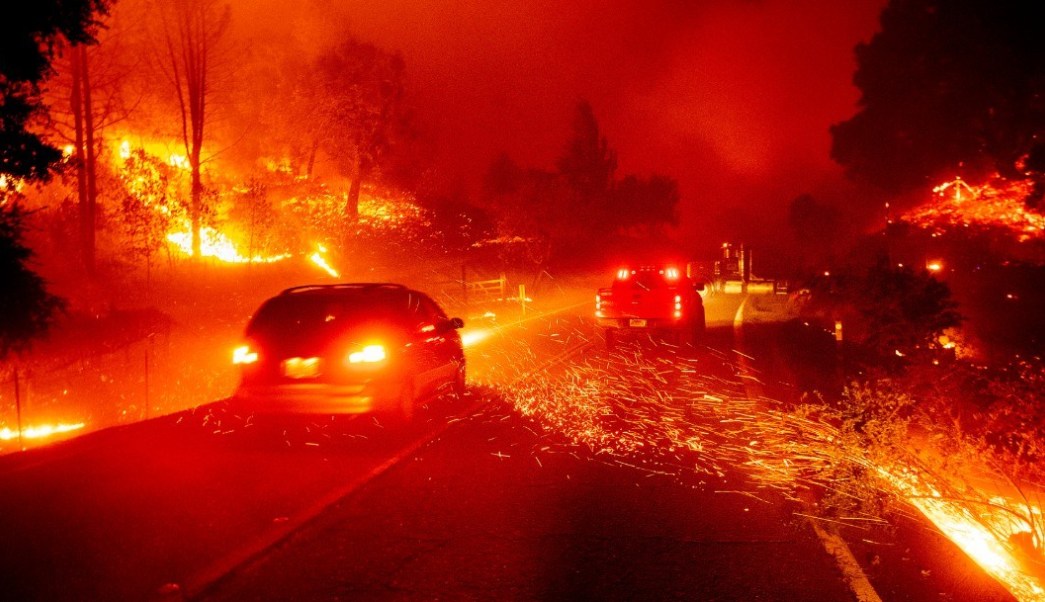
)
(640, 323)
(319, 398)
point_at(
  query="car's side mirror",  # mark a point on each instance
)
(449, 324)
(699, 286)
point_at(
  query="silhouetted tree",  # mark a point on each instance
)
(26, 308)
(887, 308)
(29, 40)
(588, 165)
(192, 31)
(814, 224)
(359, 109)
(645, 205)
(561, 212)
(85, 97)
(947, 85)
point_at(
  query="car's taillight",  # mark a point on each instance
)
(678, 306)
(598, 306)
(244, 354)
(368, 355)
(671, 273)
(623, 274)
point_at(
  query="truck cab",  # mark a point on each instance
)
(651, 299)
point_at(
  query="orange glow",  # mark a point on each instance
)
(38, 432)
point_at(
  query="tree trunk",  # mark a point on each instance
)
(90, 167)
(352, 203)
(76, 102)
(312, 158)
(196, 207)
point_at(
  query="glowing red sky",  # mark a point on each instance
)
(731, 98)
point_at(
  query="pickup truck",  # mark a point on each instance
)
(652, 299)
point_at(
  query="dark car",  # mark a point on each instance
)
(349, 348)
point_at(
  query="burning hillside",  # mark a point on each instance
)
(995, 205)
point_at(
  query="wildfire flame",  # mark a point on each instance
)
(318, 259)
(996, 204)
(217, 245)
(38, 432)
(986, 533)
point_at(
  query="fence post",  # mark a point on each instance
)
(464, 288)
(148, 344)
(18, 411)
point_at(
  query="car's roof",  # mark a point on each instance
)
(347, 287)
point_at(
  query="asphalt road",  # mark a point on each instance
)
(561, 476)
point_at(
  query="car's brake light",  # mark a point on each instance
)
(678, 306)
(623, 274)
(598, 306)
(369, 355)
(671, 273)
(244, 354)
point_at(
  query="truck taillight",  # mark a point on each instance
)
(371, 354)
(678, 306)
(244, 354)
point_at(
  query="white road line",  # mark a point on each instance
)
(202, 580)
(852, 574)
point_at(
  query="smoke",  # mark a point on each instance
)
(733, 99)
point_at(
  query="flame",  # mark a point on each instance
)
(217, 245)
(985, 534)
(318, 259)
(179, 161)
(997, 204)
(38, 432)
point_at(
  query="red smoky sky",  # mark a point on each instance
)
(731, 98)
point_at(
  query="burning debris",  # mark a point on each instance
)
(661, 410)
(997, 204)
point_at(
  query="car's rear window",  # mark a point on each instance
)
(643, 279)
(312, 314)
